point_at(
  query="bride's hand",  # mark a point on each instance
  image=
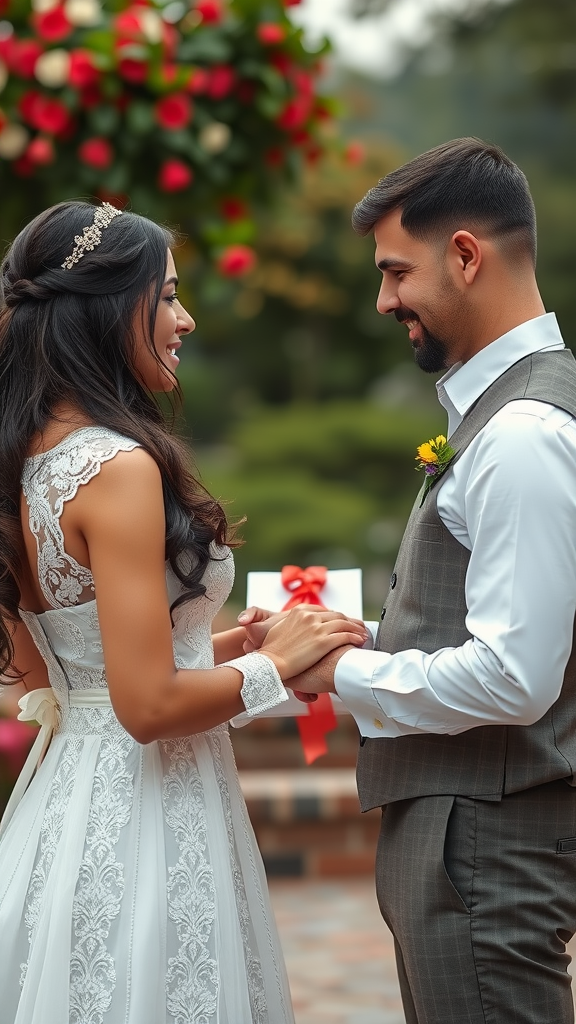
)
(257, 622)
(306, 634)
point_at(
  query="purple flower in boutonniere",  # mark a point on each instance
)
(434, 457)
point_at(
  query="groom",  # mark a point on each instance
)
(467, 705)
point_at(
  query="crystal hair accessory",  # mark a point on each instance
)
(92, 234)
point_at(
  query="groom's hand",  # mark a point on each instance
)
(319, 678)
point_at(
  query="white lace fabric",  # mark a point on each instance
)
(262, 688)
(131, 888)
(48, 481)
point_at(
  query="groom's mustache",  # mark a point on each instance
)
(403, 313)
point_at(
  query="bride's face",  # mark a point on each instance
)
(172, 321)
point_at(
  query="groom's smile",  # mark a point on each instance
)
(418, 289)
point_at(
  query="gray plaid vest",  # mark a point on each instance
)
(426, 610)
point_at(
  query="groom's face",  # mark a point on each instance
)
(417, 288)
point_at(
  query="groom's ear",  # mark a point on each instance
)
(465, 256)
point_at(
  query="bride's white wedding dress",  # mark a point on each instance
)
(131, 888)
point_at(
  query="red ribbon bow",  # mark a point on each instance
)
(304, 586)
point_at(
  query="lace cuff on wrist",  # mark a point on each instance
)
(262, 688)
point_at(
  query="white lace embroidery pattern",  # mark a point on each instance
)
(256, 990)
(58, 800)
(50, 479)
(192, 975)
(100, 884)
(262, 688)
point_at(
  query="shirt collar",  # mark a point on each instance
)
(463, 384)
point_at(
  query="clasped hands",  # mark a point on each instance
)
(310, 639)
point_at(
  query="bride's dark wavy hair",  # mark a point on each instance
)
(68, 336)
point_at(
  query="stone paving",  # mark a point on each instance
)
(339, 953)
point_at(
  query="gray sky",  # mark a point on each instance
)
(371, 44)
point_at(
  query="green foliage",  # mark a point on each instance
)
(320, 484)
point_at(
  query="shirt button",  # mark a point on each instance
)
(378, 723)
(393, 581)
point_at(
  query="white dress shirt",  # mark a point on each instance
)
(511, 500)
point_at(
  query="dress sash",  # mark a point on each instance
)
(42, 706)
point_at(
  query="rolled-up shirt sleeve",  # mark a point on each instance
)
(511, 500)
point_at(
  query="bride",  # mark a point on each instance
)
(131, 890)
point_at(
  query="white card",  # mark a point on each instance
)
(342, 592)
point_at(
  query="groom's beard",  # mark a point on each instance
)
(430, 353)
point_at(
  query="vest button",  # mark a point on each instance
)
(393, 581)
(383, 612)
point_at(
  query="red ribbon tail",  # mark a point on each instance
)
(314, 726)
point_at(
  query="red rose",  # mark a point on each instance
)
(174, 176)
(221, 81)
(291, 3)
(52, 25)
(127, 25)
(40, 151)
(82, 71)
(27, 103)
(233, 208)
(302, 82)
(199, 81)
(174, 112)
(96, 152)
(170, 40)
(271, 33)
(237, 260)
(25, 53)
(135, 71)
(280, 61)
(295, 113)
(210, 10)
(44, 113)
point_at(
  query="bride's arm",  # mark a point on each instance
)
(120, 513)
(228, 644)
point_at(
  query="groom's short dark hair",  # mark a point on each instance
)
(463, 184)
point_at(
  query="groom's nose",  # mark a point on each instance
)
(387, 300)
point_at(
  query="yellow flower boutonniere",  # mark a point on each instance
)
(434, 457)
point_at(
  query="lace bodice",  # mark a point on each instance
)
(68, 634)
(49, 480)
